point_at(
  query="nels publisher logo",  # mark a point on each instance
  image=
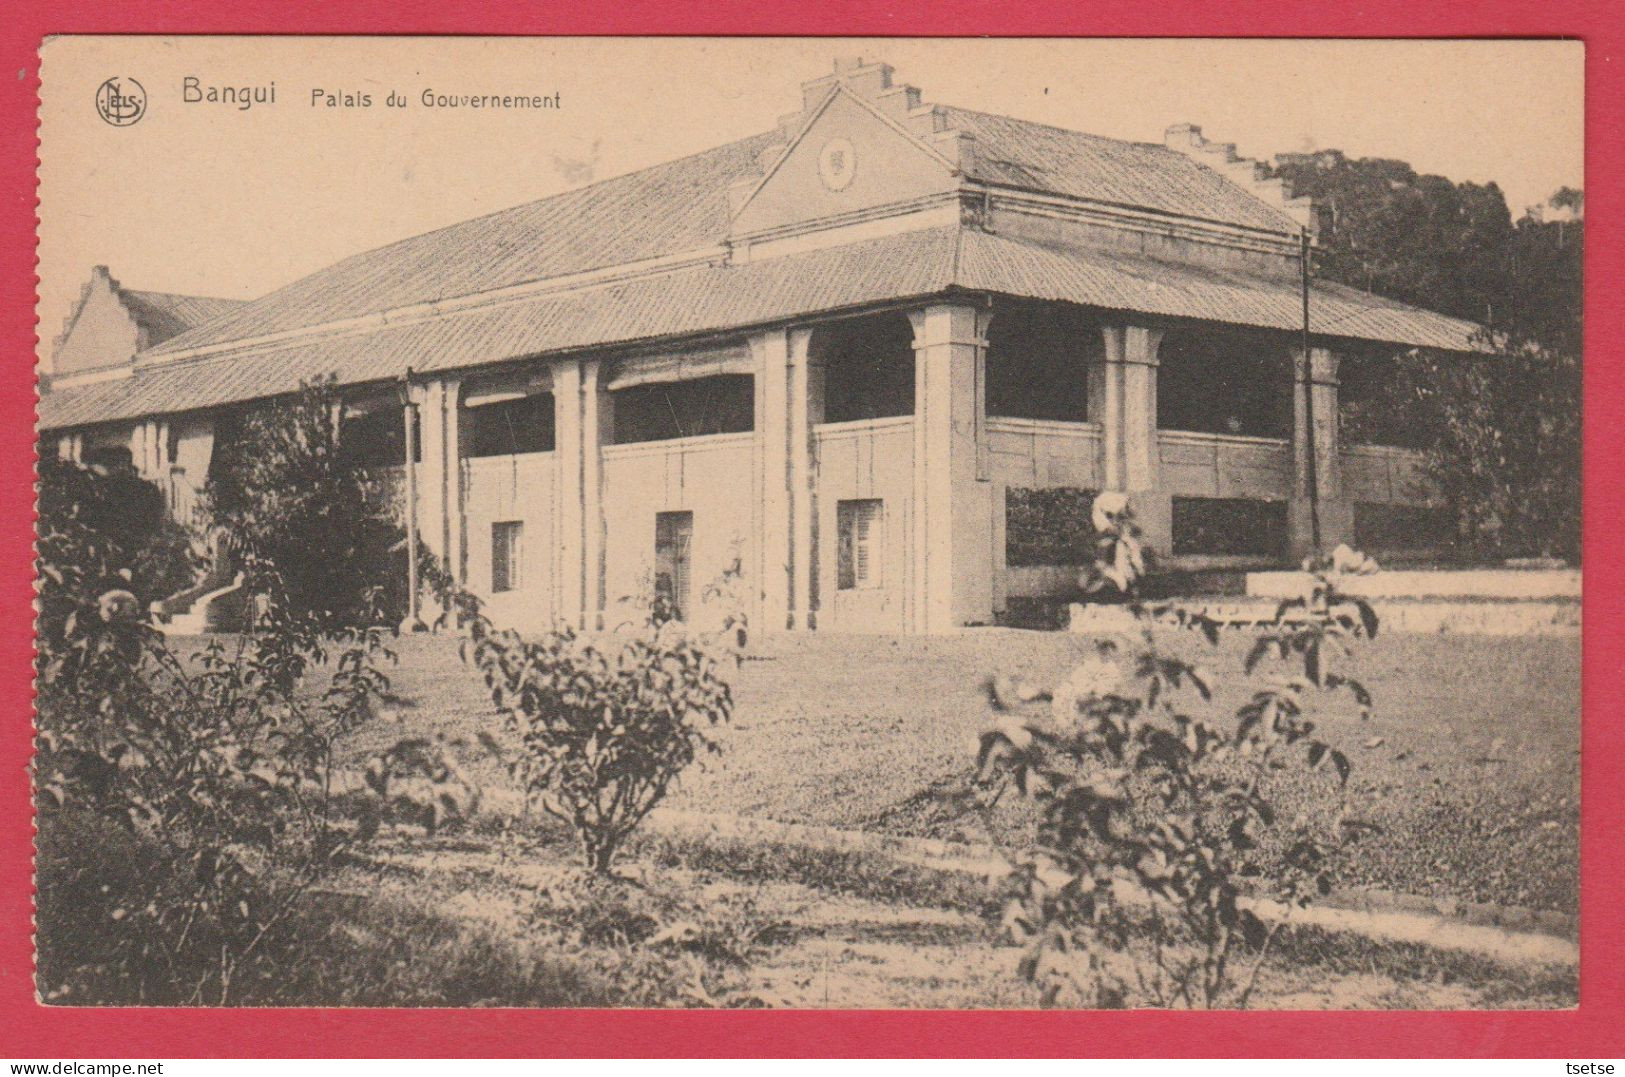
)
(121, 101)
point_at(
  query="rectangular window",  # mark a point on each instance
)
(860, 528)
(377, 438)
(509, 427)
(674, 543)
(721, 404)
(507, 556)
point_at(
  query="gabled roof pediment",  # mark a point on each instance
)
(859, 143)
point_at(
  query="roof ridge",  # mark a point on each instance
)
(466, 221)
(1057, 127)
(183, 295)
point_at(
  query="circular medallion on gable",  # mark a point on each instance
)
(837, 162)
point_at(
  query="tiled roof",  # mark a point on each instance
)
(671, 208)
(683, 302)
(719, 299)
(164, 314)
(1117, 281)
(682, 206)
(1031, 156)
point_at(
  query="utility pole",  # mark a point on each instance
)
(414, 620)
(1307, 388)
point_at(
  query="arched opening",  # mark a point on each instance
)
(1038, 355)
(1225, 381)
(868, 367)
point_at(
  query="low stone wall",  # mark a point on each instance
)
(1558, 617)
(1519, 584)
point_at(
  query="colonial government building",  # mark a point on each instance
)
(836, 353)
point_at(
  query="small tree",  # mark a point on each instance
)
(313, 531)
(604, 730)
(1140, 791)
(1505, 452)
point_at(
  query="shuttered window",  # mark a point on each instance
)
(860, 526)
(507, 556)
(674, 540)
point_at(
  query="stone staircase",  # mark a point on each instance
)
(213, 605)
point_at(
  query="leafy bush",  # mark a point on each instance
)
(1137, 790)
(106, 528)
(313, 529)
(333, 948)
(221, 784)
(1506, 455)
(604, 730)
(189, 802)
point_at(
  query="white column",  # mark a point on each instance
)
(803, 504)
(451, 447)
(430, 399)
(411, 451)
(789, 396)
(952, 518)
(597, 430)
(440, 476)
(569, 520)
(771, 352)
(583, 422)
(144, 450)
(160, 452)
(1317, 473)
(1128, 418)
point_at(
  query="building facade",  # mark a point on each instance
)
(816, 376)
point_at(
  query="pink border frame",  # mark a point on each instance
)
(1596, 1029)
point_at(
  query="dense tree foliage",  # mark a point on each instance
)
(1504, 432)
(102, 528)
(1422, 239)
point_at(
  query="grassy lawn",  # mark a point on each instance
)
(697, 926)
(1469, 766)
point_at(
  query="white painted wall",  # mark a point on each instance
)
(501, 488)
(712, 477)
(869, 459)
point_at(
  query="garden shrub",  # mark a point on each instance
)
(211, 779)
(605, 729)
(108, 526)
(186, 804)
(1138, 787)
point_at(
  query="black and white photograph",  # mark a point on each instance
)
(811, 523)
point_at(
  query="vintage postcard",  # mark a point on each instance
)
(810, 523)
